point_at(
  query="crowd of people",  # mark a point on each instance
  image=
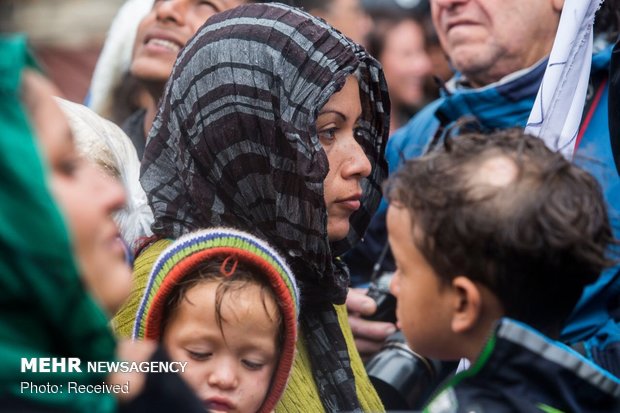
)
(240, 170)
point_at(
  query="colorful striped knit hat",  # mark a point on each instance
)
(188, 252)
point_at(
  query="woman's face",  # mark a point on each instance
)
(336, 126)
(165, 30)
(405, 63)
(87, 196)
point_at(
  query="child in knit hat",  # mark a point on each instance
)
(227, 303)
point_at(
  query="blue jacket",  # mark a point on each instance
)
(498, 106)
(502, 105)
(508, 104)
(522, 371)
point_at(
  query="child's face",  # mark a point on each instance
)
(424, 305)
(230, 373)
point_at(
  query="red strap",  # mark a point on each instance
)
(588, 118)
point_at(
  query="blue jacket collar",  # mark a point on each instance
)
(500, 105)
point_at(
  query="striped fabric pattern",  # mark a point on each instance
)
(235, 144)
(214, 241)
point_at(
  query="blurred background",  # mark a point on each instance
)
(66, 36)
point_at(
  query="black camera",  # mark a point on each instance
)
(379, 290)
(403, 379)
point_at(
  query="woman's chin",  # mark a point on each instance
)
(337, 232)
(110, 283)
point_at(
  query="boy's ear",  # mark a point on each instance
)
(467, 305)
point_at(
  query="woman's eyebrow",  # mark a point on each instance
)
(325, 111)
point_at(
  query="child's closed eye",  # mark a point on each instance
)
(199, 355)
(252, 365)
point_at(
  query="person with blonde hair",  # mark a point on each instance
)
(104, 143)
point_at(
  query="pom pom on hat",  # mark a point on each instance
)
(188, 252)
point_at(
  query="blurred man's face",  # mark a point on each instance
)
(489, 39)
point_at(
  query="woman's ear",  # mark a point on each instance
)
(467, 305)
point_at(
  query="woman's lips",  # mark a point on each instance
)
(163, 41)
(117, 246)
(162, 44)
(352, 204)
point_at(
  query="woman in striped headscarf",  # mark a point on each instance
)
(275, 123)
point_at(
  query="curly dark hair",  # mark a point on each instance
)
(536, 239)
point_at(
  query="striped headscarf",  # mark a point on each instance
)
(235, 144)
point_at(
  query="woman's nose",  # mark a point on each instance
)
(108, 188)
(359, 164)
(172, 10)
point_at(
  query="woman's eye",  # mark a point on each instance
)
(359, 134)
(327, 134)
(69, 166)
(250, 365)
(198, 355)
(210, 4)
(364, 138)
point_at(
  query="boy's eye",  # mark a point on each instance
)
(251, 365)
(198, 356)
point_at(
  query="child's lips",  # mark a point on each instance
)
(220, 404)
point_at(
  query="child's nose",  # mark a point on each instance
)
(223, 376)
